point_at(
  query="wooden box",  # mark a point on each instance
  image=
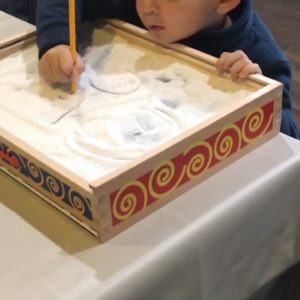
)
(106, 205)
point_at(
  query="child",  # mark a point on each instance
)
(228, 29)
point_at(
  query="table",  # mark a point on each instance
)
(221, 240)
(15, 30)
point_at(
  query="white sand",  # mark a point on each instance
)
(127, 103)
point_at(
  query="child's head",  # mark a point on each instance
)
(172, 20)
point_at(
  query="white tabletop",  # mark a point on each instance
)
(221, 240)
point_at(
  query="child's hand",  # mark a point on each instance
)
(237, 64)
(57, 65)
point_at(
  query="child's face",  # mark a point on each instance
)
(172, 20)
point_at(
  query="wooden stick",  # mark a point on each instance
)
(72, 34)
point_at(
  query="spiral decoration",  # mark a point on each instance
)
(256, 124)
(191, 164)
(52, 185)
(228, 142)
(35, 173)
(131, 198)
(165, 178)
(198, 159)
(77, 201)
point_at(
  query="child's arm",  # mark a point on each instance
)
(237, 64)
(52, 20)
(56, 64)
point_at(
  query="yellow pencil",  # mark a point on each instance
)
(72, 34)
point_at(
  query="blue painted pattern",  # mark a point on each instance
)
(62, 191)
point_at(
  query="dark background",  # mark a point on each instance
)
(283, 18)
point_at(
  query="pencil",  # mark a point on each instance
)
(72, 35)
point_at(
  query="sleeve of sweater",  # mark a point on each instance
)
(52, 22)
(281, 72)
(52, 18)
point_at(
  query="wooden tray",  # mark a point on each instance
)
(108, 205)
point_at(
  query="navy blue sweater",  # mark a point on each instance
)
(247, 33)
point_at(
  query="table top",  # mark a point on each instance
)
(222, 239)
(15, 29)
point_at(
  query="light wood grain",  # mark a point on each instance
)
(13, 30)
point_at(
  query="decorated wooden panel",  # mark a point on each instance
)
(137, 195)
(59, 191)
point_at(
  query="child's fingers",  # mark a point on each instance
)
(227, 59)
(242, 69)
(249, 69)
(53, 71)
(234, 57)
(237, 67)
(46, 67)
(237, 64)
(57, 65)
(66, 60)
(78, 68)
(58, 71)
(45, 70)
(220, 62)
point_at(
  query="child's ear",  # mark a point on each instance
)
(226, 6)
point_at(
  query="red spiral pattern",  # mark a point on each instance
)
(165, 178)
(191, 163)
(130, 199)
(198, 159)
(228, 142)
(256, 124)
